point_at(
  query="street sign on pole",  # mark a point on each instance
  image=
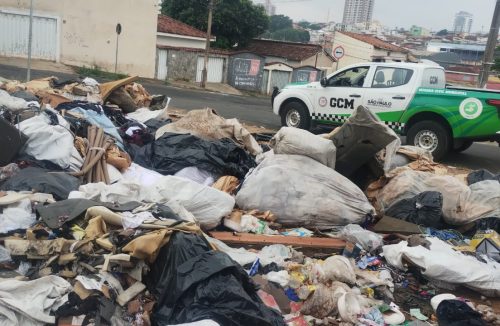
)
(338, 52)
(118, 32)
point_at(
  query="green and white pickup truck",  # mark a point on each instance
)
(411, 98)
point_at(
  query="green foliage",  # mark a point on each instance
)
(279, 22)
(96, 72)
(289, 34)
(281, 29)
(235, 22)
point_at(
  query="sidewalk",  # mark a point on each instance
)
(36, 64)
(211, 87)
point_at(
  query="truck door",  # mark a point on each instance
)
(342, 93)
(390, 93)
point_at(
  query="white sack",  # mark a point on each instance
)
(303, 192)
(301, 142)
(207, 204)
(14, 103)
(462, 204)
(29, 303)
(17, 216)
(367, 239)
(442, 263)
(51, 143)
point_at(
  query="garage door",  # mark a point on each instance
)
(14, 29)
(161, 69)
(215, 70)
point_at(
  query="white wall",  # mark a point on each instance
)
(87, 32)
(354, 51)
(180, 41)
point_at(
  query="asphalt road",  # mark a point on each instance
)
(257, 110)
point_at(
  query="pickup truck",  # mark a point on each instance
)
(411, 98)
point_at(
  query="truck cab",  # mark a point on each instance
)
(402, 95)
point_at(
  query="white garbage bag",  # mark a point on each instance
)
(301, 142)
(462, 204)
(441, 262)
(303, 192)
(207, 204)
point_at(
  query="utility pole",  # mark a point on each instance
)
(490, 47)
(30, 42)
(207, 45)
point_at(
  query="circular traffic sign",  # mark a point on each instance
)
(338, 52)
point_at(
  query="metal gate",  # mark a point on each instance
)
(215, 69)
(14, 29)
(279, 79)
(161, 68)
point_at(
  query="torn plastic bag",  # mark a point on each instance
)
(207, 124)
(369, 240)
(59, 184)
(194, 283)
(172, 152)
(442, 263)
(423, 209)
(481, 175)
(303, 192)
(458, 313)
(57, 214)
(11, 142)
(301, 142)
(358, 140)
(49, 139)
(461, 204)
(17, 216)
(207, 204)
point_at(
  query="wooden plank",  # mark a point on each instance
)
(265, 240)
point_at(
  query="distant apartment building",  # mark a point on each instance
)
(463, 22)
(419, 31)
(357, 11)
(270, 8)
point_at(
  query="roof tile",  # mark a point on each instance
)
(288, 50)
(169, 25)
(376, 42)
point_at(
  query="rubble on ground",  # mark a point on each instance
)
(116, 210)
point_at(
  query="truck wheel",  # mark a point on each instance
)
(296, 115)
(462, 145)
(432, 136)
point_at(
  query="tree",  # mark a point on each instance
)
(280, 22)
(235, 22)
(442, 32)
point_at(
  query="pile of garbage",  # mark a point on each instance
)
(113, 212)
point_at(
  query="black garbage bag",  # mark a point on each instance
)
(193, 282)
(481, 175)
(172, 152)
(59, 184)
(457, 313)
(423, 209)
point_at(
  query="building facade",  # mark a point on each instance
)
(357, 11)
(83, 33)
(463, 22)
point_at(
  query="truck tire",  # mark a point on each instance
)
(295, 114)
(462, 145)
(430, 135)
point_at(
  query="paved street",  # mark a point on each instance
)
(257, 110)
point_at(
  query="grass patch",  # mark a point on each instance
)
(96, 72)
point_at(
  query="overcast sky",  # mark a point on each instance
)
(433, 14)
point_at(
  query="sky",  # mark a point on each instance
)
(432, 14)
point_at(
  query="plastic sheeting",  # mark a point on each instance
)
(481, 175)
(301, 142)
(423, 209)
(196, 175)
(367, 239)
(303, 192)
(15, 103)
(194, 283)
(207, 204)
(17, 216)
(208, 125)
(358, 140)
(462, 204)
(173, 152)
(100, 120)
(441, 262)
(49, 141)
(58, 184)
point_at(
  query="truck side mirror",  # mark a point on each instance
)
(324, 82)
